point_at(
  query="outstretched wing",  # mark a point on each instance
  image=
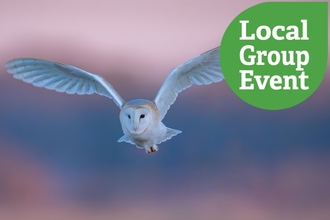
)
(62, 78)
(203, 69)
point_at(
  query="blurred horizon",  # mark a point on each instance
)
(59, 155)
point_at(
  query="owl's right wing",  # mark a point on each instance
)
(203, 69)
(62, 78)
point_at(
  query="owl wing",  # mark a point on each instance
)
(62, 78)
(203, 69)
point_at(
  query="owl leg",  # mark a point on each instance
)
(152, 149)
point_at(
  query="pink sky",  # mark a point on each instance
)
(146, 37)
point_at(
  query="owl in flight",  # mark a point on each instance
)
(141, 119)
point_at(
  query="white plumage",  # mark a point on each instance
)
(141, 120)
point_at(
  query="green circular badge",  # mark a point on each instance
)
(274, 55)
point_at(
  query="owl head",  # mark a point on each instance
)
(137, 115)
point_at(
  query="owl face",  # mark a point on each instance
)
(136, 119)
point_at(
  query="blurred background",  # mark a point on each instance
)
(59, 156)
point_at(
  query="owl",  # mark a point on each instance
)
(141, 119)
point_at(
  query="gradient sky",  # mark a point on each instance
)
(59, 155)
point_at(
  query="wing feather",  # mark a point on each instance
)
(62, 78)
(203, 69)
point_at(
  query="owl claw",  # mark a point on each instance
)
(152, 149)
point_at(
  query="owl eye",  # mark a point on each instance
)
(142, 116)
(128, 116)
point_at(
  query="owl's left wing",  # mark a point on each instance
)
(203, 69)
(62, 78)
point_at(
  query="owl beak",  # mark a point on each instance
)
(135, 126)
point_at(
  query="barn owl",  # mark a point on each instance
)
(141, 120)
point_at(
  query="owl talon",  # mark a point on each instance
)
(152, 149)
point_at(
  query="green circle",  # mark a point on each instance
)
(268, 82)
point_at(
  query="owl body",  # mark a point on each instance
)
(142, 126)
